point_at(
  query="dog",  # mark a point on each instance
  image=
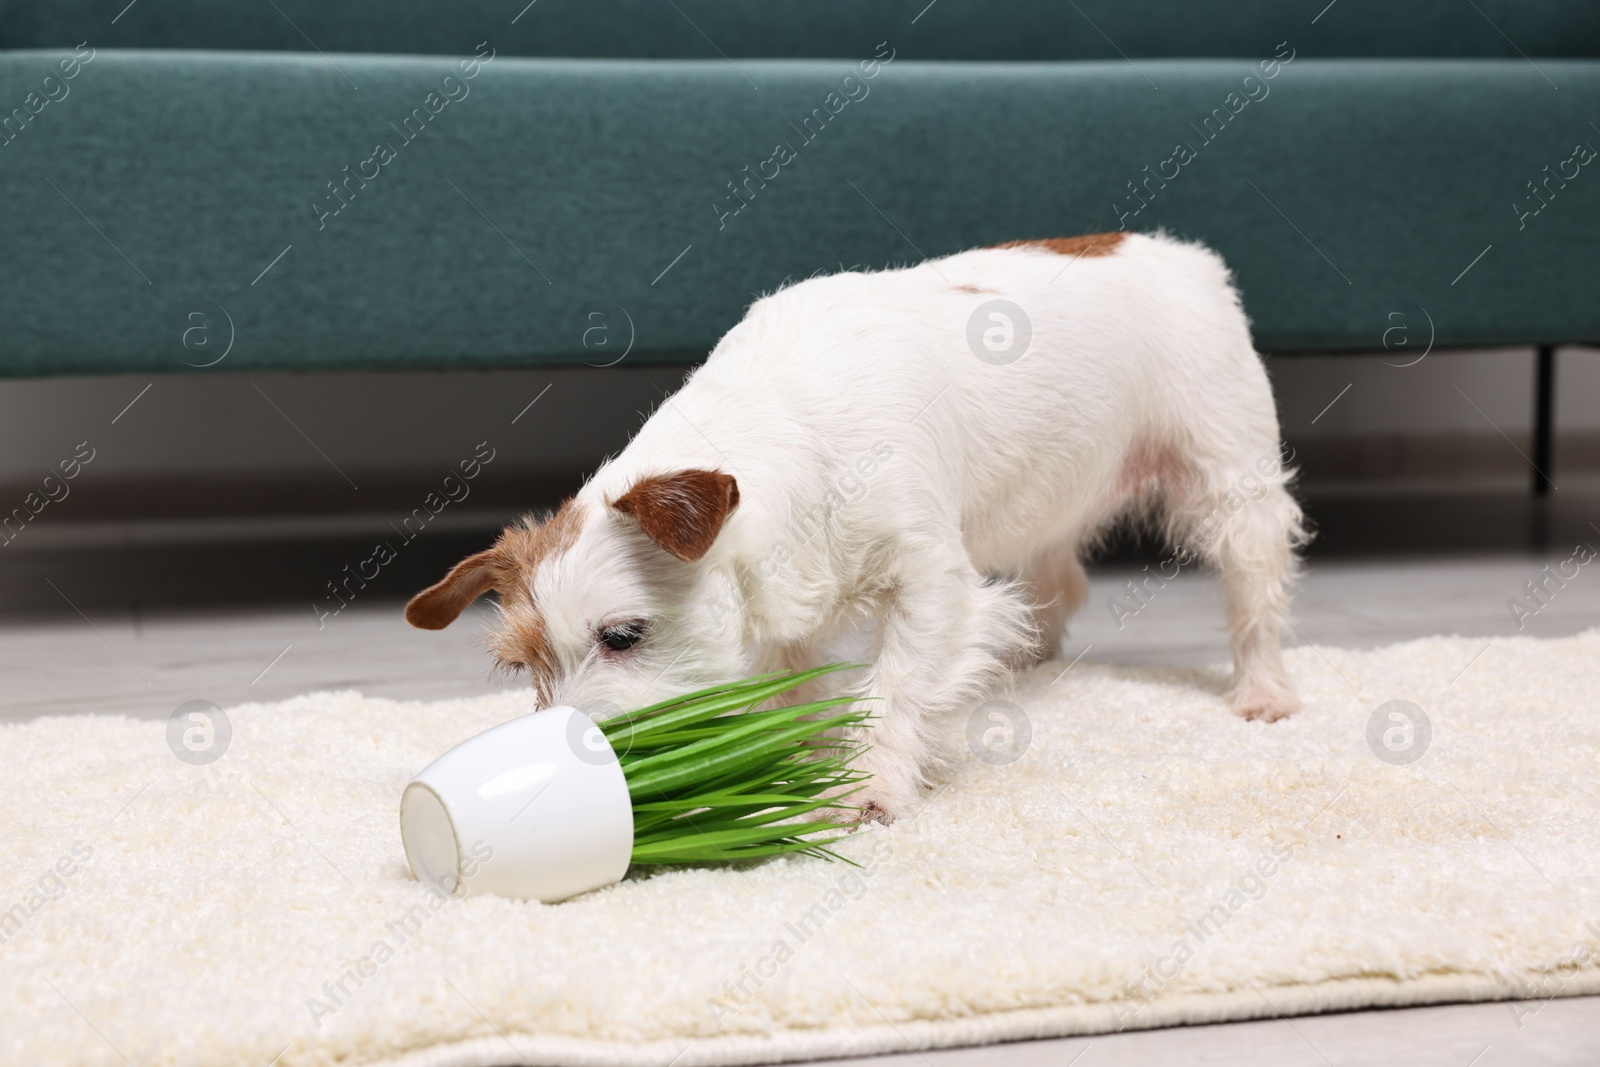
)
(923, 455)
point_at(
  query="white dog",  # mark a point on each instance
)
(926, 451)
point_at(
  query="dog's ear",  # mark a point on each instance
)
(682, 512)
(438, 605)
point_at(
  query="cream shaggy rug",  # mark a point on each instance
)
(1149, 860)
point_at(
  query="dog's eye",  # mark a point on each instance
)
(622, 636)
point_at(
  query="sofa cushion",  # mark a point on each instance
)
(557, 196)
(708, 29)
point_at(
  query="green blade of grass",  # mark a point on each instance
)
(717, 703)
(723, 840)
(651, 814)
(679, 773)
(761, 801)
(798, 770)
(749, 755)
(643, 745)
(788, 778)
(703, 697)
(736, 811)
(737, 728)
(687, 851)
(699, 694)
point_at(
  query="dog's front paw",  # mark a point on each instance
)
(870, 811)
(1267, 703)
(893, 789)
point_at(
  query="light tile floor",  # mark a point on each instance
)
(146, 664)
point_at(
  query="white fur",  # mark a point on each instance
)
(956, 495)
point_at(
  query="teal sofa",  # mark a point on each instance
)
(318, 185)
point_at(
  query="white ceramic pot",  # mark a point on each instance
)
(535, 808)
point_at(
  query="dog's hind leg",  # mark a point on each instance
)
(1059, 588)
(1241, 518)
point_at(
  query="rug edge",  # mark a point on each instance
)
(1076, 1020)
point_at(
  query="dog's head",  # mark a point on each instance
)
(605, 602)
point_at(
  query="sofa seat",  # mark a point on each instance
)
(549, 198)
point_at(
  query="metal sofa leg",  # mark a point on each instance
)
(1543, 419)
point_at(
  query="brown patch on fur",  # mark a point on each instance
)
(682, 512)
(523, 642)
(973, 289)
(506, 568)
(524, 546)
(1090, 244)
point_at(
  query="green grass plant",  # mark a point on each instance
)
(713, 780)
